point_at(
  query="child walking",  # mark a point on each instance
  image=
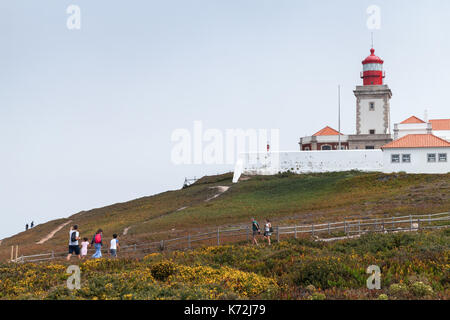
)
(84, 248)
(114, 246)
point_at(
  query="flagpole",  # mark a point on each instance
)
(339, 117)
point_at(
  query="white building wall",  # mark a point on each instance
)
(264, 163)
(372, 119)
(419, 162)
(411, 128)
(312, 161)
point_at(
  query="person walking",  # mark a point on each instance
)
(84, 248)
(268, 230)
(74, 248)
(114, 246)
(26, 227)
(97, 241)
(255, 230)
(32, 224)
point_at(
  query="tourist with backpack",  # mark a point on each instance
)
(97, 241)
(74, 248)
(268, 230)
(255, 230)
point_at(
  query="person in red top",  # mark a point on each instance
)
(97, 241)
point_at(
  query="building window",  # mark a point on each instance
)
(370, 147)
(395, 158)
(431, 157)
(442, 157)
(371, 106)
(326, 147)
(406, 158)
(372, 131)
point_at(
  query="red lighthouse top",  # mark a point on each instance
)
(373, 73)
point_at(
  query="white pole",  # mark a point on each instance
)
(339, 117)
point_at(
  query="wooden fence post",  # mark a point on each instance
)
(345, 226)
(12, 253)
(278, 233)
(161, 245)
(393, 224)
(312, 229)
(189, 241)
(248, 233)
(429, 219)
(359, 227)
(418, 224)
(53, 254)
(328, 228)
(295, 231)
(17, 251)
(218, 236)
(410, 223)
(134, 246)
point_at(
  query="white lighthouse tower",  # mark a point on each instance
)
(373, 128)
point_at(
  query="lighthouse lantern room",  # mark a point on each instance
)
(372, 73)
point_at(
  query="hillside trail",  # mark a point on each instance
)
(51, 234)
(125, 231)
(220, 189)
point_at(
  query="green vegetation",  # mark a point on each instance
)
(284, 198)
(413, 266)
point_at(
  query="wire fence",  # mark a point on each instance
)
(322, 232)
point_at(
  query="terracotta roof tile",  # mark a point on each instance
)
(327, 131)
(412, 119)
(417, 141)
(440, 124)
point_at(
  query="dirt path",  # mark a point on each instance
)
(125, 231)
(51, 234)
(220, 189)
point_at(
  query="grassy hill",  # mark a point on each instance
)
(283, 198)
(413, 266)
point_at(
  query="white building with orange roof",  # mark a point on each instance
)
(441, 128)
(414, 125)
(324, 139)
(417, 153)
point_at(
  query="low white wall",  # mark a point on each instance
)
(312, 161)
(419, 161)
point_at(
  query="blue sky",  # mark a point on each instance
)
(86, 115)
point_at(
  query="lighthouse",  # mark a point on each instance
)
(373, 128)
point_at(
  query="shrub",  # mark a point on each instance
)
(162, 270)
(317, 296)
(383, 297)
(420, 289)
(329, 272)
(398, 289)
(310, 288)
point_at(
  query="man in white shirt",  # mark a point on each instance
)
(74, 236)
